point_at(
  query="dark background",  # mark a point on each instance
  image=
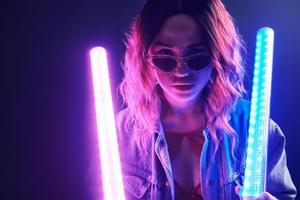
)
(47, 132)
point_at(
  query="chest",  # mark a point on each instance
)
(185, 152)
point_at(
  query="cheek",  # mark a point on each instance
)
(204, 76)
(163, 78)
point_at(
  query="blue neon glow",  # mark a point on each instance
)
(255, 172)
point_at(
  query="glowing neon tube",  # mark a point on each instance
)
(256, 161)
(107, 138)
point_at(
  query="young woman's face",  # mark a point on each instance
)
(180, 36)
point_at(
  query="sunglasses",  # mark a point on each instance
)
(167, 63)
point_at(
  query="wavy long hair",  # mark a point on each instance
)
(138, 87)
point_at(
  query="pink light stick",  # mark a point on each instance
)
(113, 187)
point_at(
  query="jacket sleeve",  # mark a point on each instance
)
(279, 182)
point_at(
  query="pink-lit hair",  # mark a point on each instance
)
(138, 87)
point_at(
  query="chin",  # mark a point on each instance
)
(182, 96)
(185, 97)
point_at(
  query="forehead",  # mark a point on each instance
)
(179, 31)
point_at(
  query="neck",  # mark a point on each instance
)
(182, 109)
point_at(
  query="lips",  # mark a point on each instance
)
(183, 87)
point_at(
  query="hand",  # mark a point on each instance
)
(262, 196)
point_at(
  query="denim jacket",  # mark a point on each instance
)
(147, 173)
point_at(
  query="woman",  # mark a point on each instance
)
(183, 134)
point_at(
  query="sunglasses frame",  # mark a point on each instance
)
(178, 60)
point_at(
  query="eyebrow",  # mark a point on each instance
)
(160, 43)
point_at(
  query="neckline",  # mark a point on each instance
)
(185, 133)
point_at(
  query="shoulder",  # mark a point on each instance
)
(276, 138)
(128, 140)
(275, 131)
(136, 167)
(121, 118)
(123, 127)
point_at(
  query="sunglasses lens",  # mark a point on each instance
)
(198, 62)
(164, 64)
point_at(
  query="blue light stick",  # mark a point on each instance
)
(256, 161)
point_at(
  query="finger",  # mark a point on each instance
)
(266, 196)
(237, 189)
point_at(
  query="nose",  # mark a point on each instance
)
(182, 69)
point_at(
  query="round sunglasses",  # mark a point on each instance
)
(168, 63)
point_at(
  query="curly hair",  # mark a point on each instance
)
(138, 87)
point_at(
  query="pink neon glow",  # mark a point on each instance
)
(113, 188)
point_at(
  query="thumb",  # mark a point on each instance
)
(237, 189)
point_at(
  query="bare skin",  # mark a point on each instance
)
(182, 108)
(183, 121)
